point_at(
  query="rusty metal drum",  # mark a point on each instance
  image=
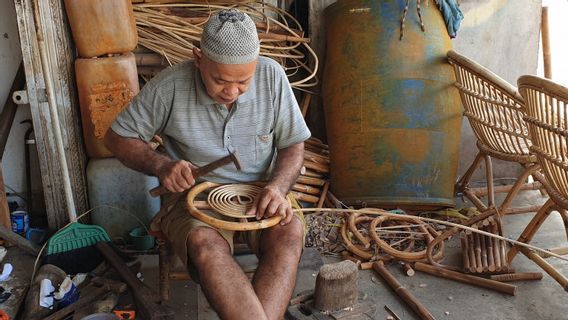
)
(393, 118)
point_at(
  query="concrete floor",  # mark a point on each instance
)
(445, 299)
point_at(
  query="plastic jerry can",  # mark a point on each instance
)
(102, 27)
(106, 86)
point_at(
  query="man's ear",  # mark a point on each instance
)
(197, 55)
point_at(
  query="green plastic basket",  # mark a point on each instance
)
(76, 236)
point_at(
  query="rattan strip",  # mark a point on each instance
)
(172, 36)
(489, 99)
(233, 200)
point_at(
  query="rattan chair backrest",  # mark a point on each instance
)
(547, 117)
(493, 107)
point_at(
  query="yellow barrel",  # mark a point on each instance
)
(106, 86)
(102, 27)
(393, 118)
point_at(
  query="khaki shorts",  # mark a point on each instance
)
(176, 223)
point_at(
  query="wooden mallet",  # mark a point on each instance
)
(231, 158)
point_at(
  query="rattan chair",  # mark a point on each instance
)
(547, 118)
(495, 112)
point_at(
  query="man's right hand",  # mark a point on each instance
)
(176, 176)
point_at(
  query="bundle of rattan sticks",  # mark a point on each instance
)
(482, 254)
(170, 31)
(312, 185)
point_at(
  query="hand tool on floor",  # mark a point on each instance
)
(232, 157)
(147, 301)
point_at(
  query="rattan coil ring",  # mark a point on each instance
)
(222, 224)
(233, 200)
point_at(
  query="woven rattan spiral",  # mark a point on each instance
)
(222, 224)
(233, 200)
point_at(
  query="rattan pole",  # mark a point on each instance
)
(484, 264)
(546, 55)
(310, 181)
(547, 267)
(471, 245)
(465, 252)
(490, 257)
(477, 248)
(464, 278)
(496, 251)
(408, 269)
(402, 292)
(520, 276)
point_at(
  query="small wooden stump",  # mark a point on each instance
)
(336, 286)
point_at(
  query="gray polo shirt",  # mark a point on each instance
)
(176, 106)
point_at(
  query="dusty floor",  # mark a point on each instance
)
(444, 298)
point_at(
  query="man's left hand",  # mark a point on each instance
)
(269, 202)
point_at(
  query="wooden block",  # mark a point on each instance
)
(336, 286)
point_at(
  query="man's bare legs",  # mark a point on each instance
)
(226, 286)
(224, 283)
(275, 277)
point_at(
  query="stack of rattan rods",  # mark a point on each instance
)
(172, 30)
(482, 254)
(312, 185)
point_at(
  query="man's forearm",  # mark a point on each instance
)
(289, 161)
(135, 153)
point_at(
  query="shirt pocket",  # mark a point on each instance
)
(264, 148)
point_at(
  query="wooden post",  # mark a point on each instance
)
(336, 286)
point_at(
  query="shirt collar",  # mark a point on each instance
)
(204, 98)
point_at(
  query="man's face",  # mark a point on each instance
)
(224, 82)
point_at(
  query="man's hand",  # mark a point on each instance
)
(176, 176)
(269, 202)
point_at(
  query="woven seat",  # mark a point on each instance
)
(495, 112)
(547, 118)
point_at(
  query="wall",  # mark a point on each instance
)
(13, 164)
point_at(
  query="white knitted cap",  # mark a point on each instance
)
(230, 37)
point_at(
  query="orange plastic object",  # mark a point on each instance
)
(102, 26)
(4, 315)
(125, 314)
(106, 86)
